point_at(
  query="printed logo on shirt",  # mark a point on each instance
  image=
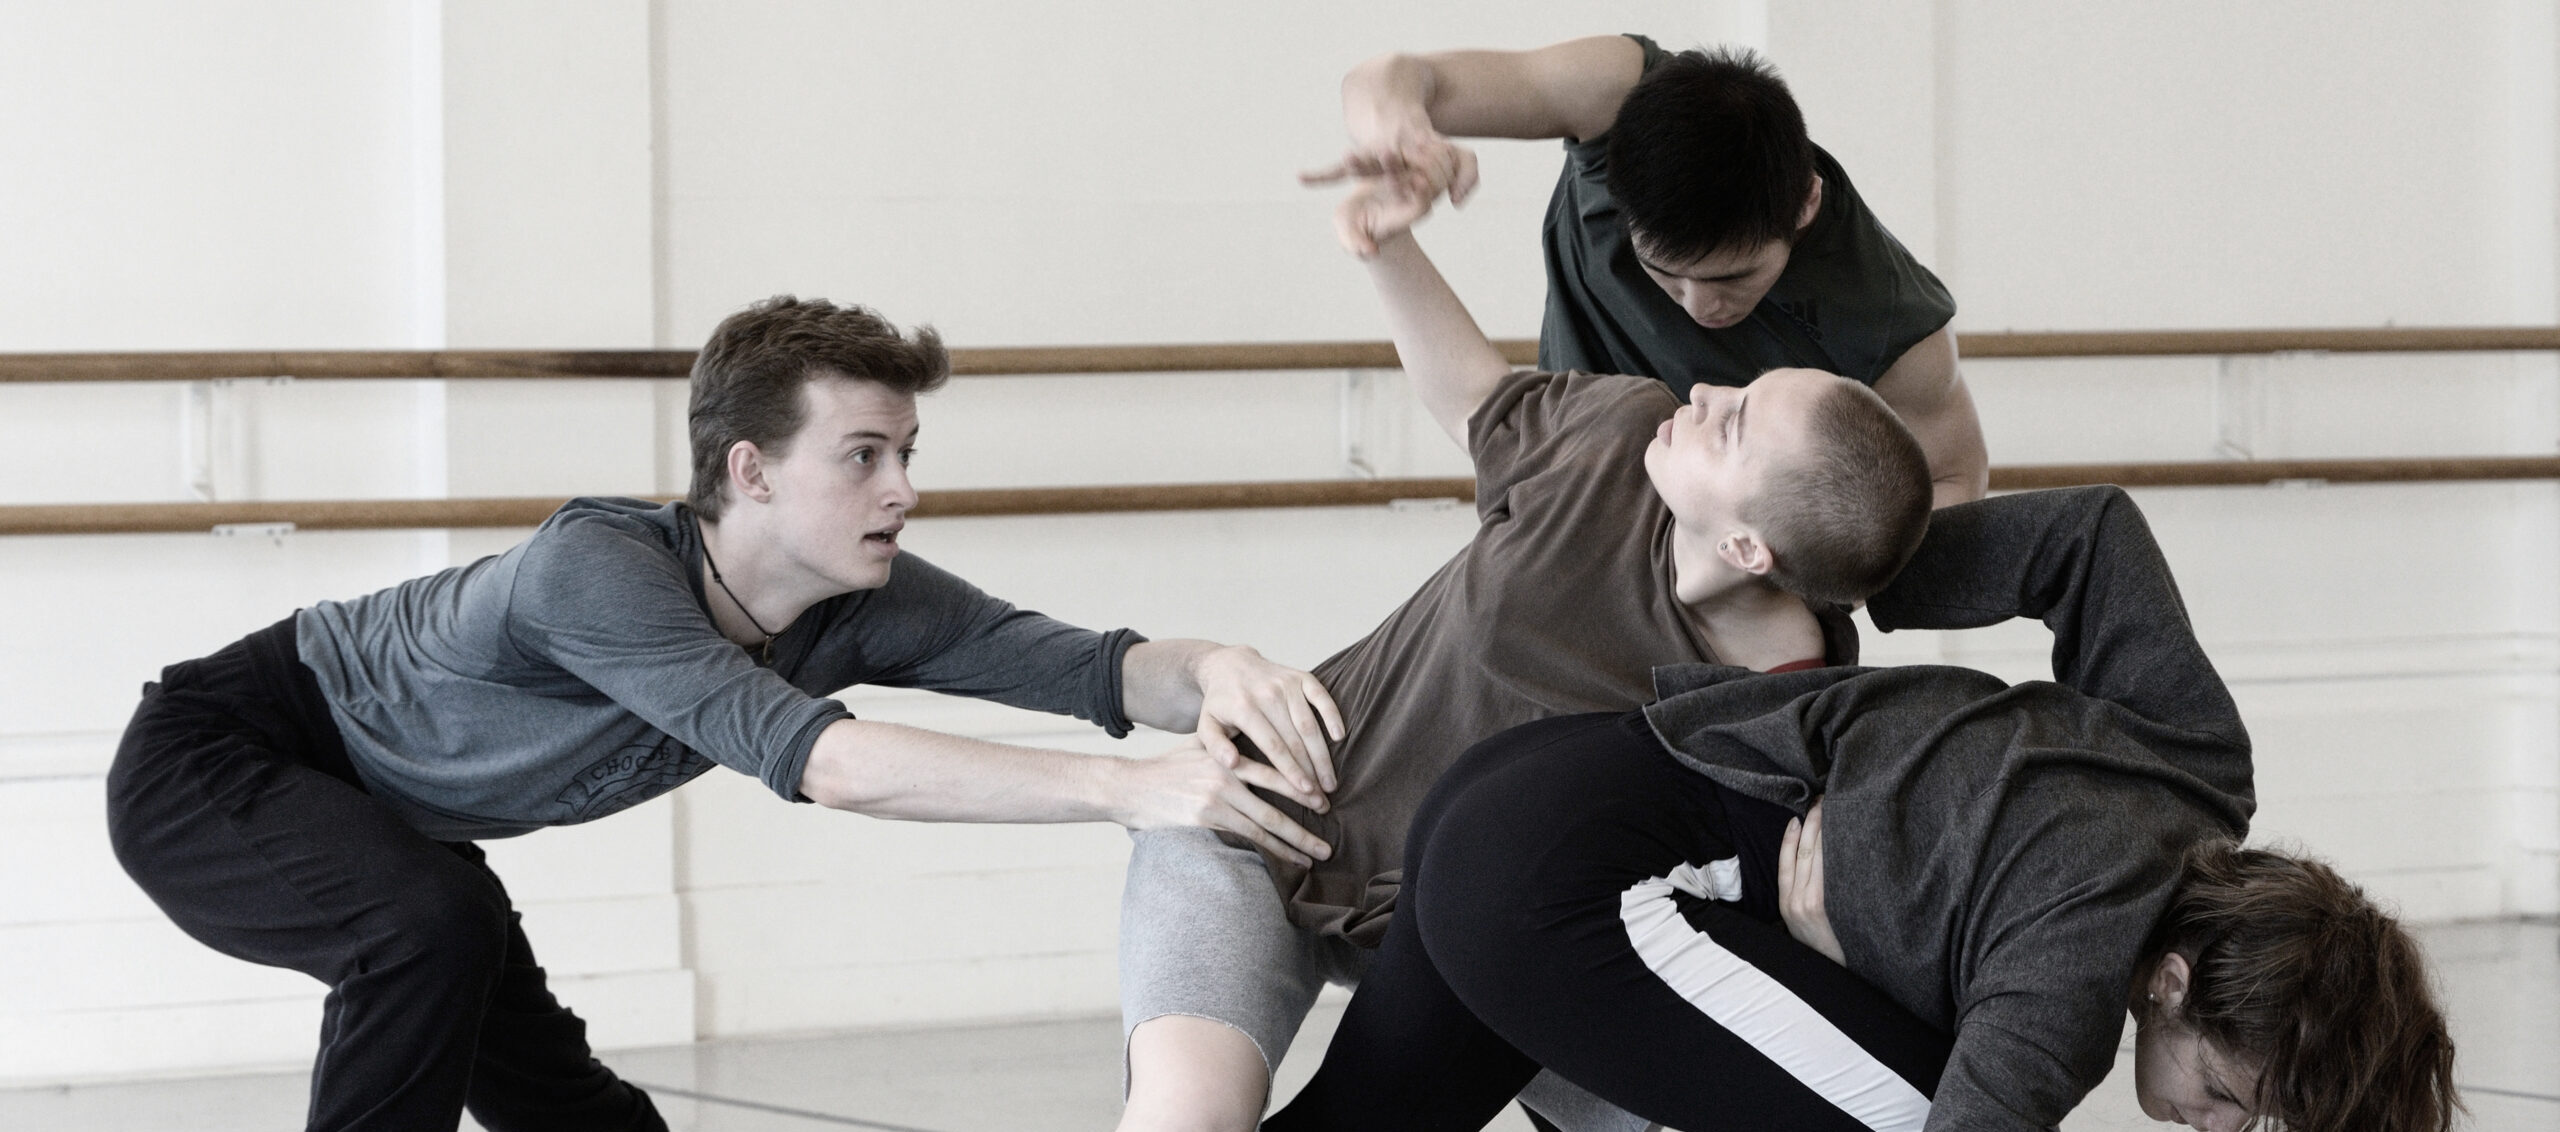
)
(629, 777)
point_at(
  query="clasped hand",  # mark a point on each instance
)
(1192, 786)
(1395, 186)
(1287, 714)
(1800, 885)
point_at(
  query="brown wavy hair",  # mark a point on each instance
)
(747, 379)
(2292, 966)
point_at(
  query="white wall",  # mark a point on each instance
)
(599, 173)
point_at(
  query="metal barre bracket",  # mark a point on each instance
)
(275, 531)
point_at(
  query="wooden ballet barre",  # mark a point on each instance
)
(415, 514)
(348, 364)
(412, 514)
(412, 365)
(2243, 473)
(1024, 361)
(2161, 343)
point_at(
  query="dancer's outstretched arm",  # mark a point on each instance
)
(1452, 366)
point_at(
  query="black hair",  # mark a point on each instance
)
(1709, 154)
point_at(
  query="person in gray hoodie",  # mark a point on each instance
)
(309, 797)
(1648, 904)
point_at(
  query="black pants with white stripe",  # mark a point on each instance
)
(1537, 926)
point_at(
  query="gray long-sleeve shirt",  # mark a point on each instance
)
(579, 673)
(1995, 856)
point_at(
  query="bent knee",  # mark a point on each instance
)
(1193, 1073)
(1500, 881)
(458, 928)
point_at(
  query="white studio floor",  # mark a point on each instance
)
(2501, 982)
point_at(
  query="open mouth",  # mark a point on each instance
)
(887, 537)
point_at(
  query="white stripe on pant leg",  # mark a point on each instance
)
(1763, 1012)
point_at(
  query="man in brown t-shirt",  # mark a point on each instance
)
(1620, 530)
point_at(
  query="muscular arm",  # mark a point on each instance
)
(1925, 389)
(1402, 109)
(1446, 357)
(1570, 89)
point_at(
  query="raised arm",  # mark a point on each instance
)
(2083, 561)
(1926, 390)
(1401, 111)
(1451, 365)
(1565, 90)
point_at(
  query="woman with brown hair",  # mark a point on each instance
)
(1652, 906)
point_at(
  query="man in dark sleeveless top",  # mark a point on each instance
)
(1696, 233)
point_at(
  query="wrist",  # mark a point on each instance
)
(1100, 786)
(1386, 101)
(1197, 666)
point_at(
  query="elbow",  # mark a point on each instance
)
(834, 775)
(1380, 82)
(1376, 67)
(1962, 485)
(1959, 467)
(827, 789)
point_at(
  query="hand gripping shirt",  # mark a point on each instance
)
(1561, 603)
(1850, 301)
(579, 673)
(1994, 856)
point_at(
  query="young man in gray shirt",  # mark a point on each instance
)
(308, 797)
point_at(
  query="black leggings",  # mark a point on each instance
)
(1535, 929)
(232, 803)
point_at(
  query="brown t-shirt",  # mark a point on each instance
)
(1562, 603)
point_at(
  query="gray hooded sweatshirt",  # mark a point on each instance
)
(1995, 856)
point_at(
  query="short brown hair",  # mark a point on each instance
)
(2290, 965)
(747, 379)
(1845, 515)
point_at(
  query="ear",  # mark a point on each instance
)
(746, 472)
(2168, 987)
(1744, 550)
(1812, 205)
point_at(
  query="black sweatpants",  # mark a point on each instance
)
(233, 805)
(1540, 925)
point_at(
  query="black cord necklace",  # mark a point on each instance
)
(764, 652)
